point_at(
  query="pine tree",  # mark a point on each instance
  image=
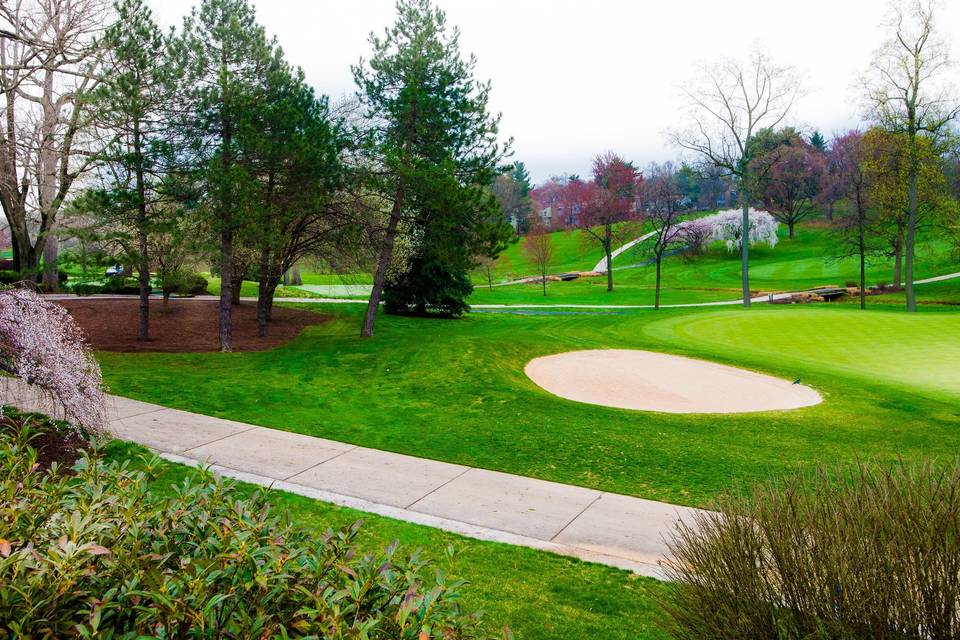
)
(291, 149)
(818, 142)
(225, 55)
(133, 103)
(436, 143)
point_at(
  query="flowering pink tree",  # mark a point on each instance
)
(612, 202)
(42, 346)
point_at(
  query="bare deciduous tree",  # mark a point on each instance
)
(907, 91)
(538, 247)
(729, 102)
(49, 59)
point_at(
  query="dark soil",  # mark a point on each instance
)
(52, 443)
(62, 446)
(182, 325)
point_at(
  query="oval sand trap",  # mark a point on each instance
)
(650, 381)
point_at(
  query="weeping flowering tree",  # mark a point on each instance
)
(42, 346)
(727, 227)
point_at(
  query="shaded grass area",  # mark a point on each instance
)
(456, 391)
(945, 292)
(537, 594)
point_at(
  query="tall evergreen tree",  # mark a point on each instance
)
(133, 102)
(225, 55)
(432, 140)
(290, 148)
(818, 142)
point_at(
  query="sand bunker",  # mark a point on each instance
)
(649, 381)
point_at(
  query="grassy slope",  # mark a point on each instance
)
(574, 250)
(455, 391)
(802, 263)
(537, 594)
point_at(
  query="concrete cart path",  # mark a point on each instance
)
(617, 530)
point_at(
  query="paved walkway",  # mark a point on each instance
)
(616, 530)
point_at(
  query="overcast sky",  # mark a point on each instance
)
(575, 78)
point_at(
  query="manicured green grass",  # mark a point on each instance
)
(250, 289)
(593, 291)
(802, 263)
(309, 277)
(456, 391)
(537, 594)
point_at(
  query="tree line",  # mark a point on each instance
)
(204, 142)
(877, 188)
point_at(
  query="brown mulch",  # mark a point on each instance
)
(62, 446)
(52, 443)
(182, 325)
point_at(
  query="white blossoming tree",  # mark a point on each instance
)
(727, 227)
(42, 346)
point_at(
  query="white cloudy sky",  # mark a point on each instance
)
(577, 77)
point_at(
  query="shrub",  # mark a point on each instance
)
(120, 285)
(192, 284)
(86, 288)
(182, 282)
(870, 554)
(9, 276)
(102, 555)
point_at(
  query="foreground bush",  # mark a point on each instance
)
(875, 554)
(100, 555)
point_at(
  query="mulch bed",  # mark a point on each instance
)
(62, 446)
(182, 325)
(52, 443)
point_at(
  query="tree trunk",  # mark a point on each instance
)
(862, 246)
(830, 211)
(911, 237)
(50, 276)
(790, 225)
(286, 278)
(745, 246)
(295, 279)
(262, 294)
(656, 298)
(269, 307)
(607, 241)
(898, 257)
(543, 278)
(236, 286)
(143, 332)
(383, 263)
(226, 284)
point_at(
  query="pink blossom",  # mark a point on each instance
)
(42, 345)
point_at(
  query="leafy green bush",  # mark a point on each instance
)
(874, 554)
(86, 288)
(100, 554)
(9, 276)
(119, 285)
(182, 282)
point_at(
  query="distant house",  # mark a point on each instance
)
(546, 217)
